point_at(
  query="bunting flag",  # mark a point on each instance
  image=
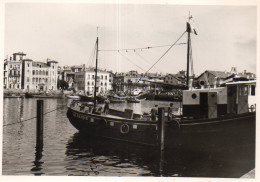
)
(191, 29)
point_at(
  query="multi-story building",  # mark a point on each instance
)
(13, 71)
(132, 80)
(39, 75)
(85, 81)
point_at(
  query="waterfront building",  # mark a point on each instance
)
(13, 71)
(39, 76)
(133, 81)
(210, 78)
(85, 81)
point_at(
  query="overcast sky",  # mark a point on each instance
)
(67, 33)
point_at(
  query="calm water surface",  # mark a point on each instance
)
(67, 152)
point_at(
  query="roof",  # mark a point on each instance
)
(242, 82)
(19, 53)
(52, 61)
(40, 64)
(219, 74)
(27, 60)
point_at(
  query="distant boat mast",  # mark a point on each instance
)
(95, 89)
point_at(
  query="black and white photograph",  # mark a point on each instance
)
(122, 89)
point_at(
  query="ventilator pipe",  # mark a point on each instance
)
(215, 82)
(190, 84)
(202, 83)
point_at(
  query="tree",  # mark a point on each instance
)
(63, 84)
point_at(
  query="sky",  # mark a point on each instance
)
(67, 32)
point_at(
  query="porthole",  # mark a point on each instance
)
(212, 95)
(194, 96)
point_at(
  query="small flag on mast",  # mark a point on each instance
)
(191, 29)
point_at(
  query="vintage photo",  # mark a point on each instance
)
(121, 89)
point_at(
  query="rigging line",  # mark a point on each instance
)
(92, 53)
(35, 116)
(140, 48)
(143, 65)
(130, 61)
(165, 52)
(147, 61)
(93, 56)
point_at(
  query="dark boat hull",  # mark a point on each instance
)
(200, 134)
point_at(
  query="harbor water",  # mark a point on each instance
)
(66, 152)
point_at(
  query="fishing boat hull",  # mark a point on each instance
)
(113, 128)
(117, 101)
(190, 134)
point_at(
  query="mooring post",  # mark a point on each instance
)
(39, 125)
(161, 127)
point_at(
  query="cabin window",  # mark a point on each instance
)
(252, 89)
(243, 90)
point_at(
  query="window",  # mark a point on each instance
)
(93, 76)
(40, 72)
(33, 72)
(36, 80)
(28, 79)
(243, 90)
(36, 72)
(252, 89)
(28, 64)
(105, 77)
(101, 77)
(46, 72)
(10, 66)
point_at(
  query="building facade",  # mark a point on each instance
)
(13, 71)
(39, 76)
(85, 81)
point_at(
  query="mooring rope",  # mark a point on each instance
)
(35, 116)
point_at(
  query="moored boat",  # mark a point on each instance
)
(43, 95)
(117, 99)
(75, 97)
(210, 117)
(134, 100)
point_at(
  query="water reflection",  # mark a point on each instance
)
(37, 163)
(106, 158)
(109, 158)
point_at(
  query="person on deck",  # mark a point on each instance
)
(154, 113)
(106, 107)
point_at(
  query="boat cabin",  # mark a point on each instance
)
(235, 98)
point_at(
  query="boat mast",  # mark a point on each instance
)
(188, 49)
(95, 89)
